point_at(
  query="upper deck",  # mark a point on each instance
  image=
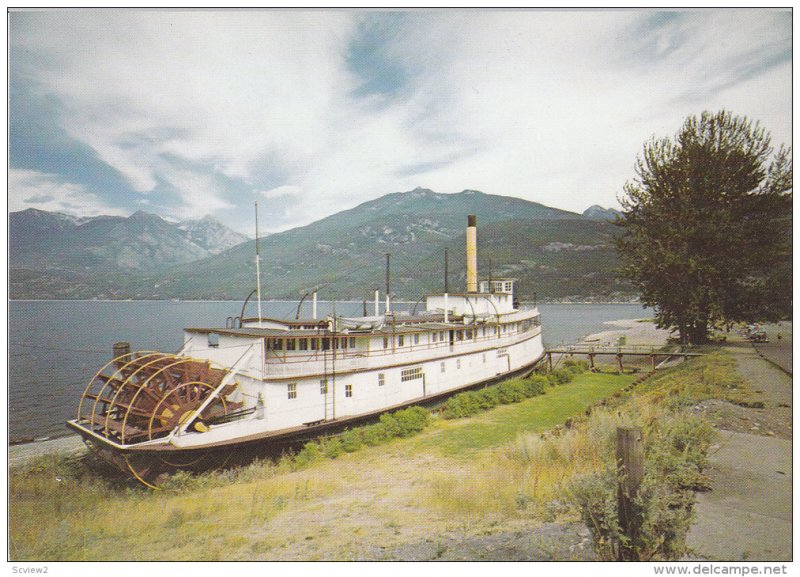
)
(471, 322)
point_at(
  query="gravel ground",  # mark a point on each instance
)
(547, 542)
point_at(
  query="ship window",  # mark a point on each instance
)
(303, 344)
(433, 337)
(277, 344)
(348, 390)
(442, 366)
(411, 374)
(292, 390)
(508, 287)
(441, 336)
(343, 343)
(323, 386)
(352, 342)
(458, 363)
(385, 342)
(290, 344)
(381, 379)
(400, 340)
(416, 339)
(483, 331)
(484, 358)
(473, 333)
(326, 343)
(460, 335)
(213, 339)
(314, 344)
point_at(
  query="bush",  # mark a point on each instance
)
(411, 420)
(536, 385)
(462, 405)
(331, 447)
(391, 428)
(308, 454)
(511, 392)
(373, 435)
(488, 398)
(576, 366)
(470, 403)
(350, 441)
(560, 377)
(675, 455)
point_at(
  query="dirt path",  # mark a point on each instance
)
(747, 515)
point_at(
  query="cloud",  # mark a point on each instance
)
(318, 111)
(287, 190)
(32, 189)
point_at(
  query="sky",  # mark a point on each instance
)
(188, 113)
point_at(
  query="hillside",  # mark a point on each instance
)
(555, 254)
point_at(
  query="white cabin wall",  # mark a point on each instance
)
(228, 352)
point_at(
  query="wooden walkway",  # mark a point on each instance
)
(618, 352)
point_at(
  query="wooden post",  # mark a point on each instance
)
(550, 362)
(652, 362)
(619, 363)
(121, 349)
(591, 362)
(630, 471)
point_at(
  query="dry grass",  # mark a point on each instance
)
(495, 471)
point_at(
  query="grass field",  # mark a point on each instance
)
(492, 472)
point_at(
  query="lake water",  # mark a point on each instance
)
(55, 347)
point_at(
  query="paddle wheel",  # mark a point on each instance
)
(139, 398)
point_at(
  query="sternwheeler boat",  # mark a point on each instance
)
(266, 380)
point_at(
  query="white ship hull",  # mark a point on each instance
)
(271, 379)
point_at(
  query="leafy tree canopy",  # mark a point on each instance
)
(707, 226)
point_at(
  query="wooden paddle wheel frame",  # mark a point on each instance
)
(145, 396)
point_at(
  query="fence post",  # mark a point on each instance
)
(630, 471)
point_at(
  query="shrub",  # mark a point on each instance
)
(350, 441)
(373, 435)
(536, 385)
(331, 447)
(391, 428)
(560, 376)
(675, 455)
(576, 366)
(511, 392)
(308, 454)
(488, 398)
(411, 420)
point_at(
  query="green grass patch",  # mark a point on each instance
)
(496, 427)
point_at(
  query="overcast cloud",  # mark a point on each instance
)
(311, 112)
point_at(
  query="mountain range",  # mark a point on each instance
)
(555, 254)
(51, 241)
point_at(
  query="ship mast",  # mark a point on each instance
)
(258, 270)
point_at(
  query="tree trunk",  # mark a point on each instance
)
(698, 333)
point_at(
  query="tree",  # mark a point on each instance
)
(706, 226)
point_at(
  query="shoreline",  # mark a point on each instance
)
(635, 331)
(20, 453)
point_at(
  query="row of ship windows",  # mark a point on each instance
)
(406, 375)
(313, 344)
(343, 343)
